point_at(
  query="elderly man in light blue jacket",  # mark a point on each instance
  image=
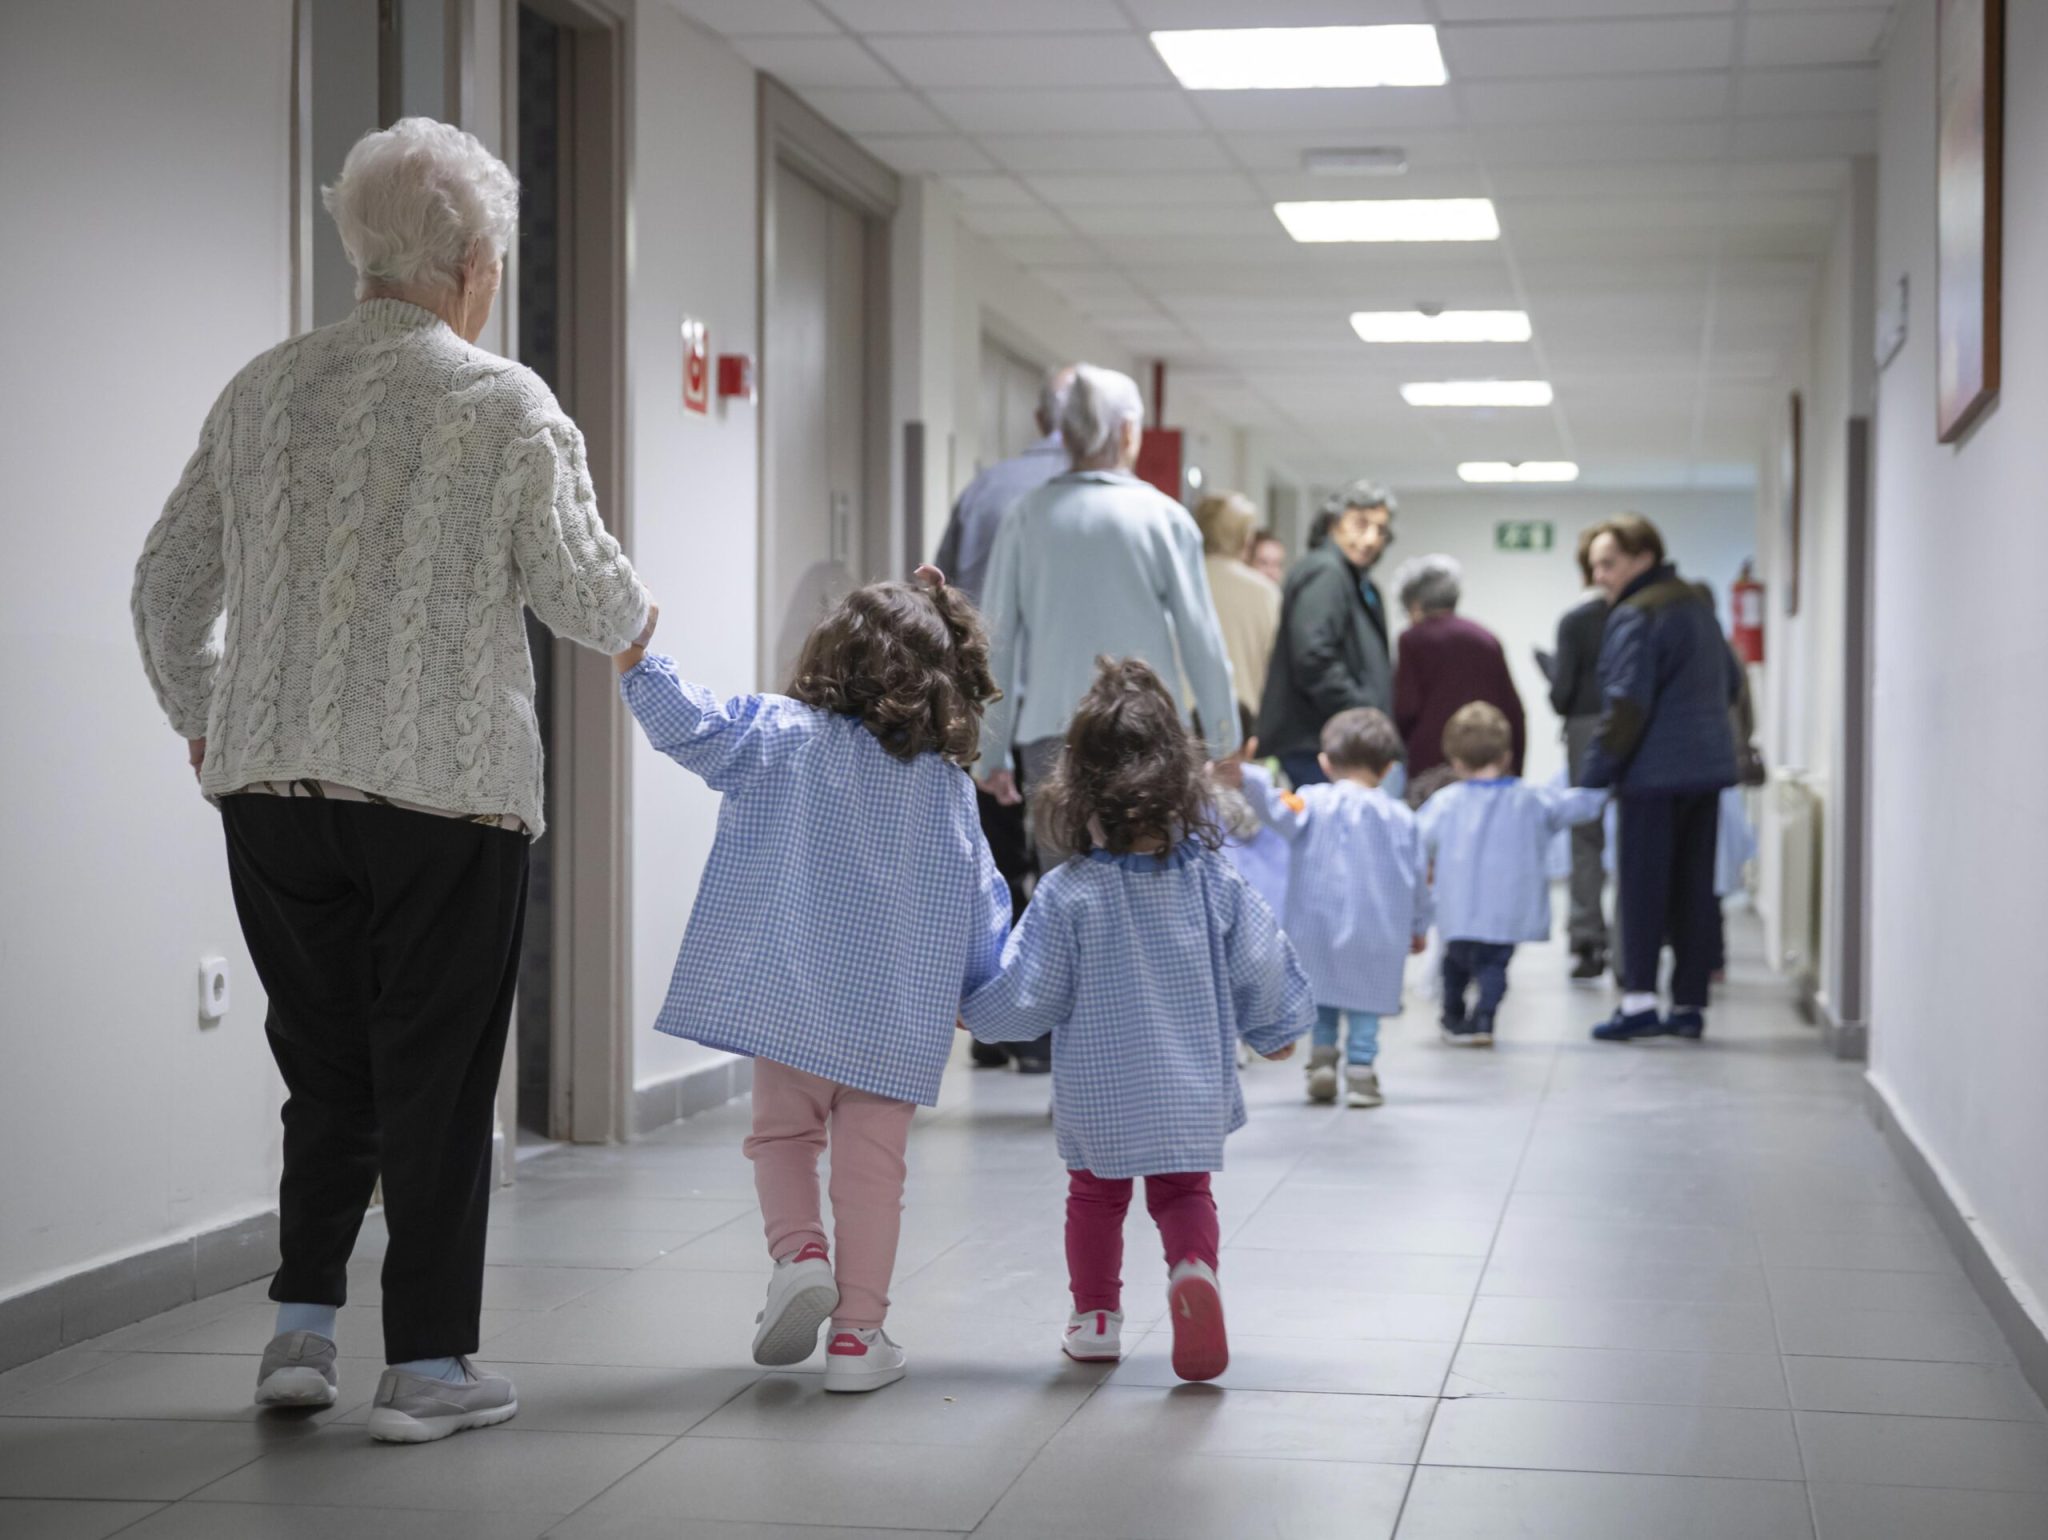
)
(1095, 562)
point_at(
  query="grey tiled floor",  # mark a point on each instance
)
(1559, 1290)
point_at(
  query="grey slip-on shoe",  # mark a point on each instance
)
(414, 1409)
(297, 1370)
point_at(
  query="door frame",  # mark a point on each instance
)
(792, 135)
(589, 754)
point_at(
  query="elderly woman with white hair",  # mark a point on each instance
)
(1446, 662)
(370, 506)
(1093, 563)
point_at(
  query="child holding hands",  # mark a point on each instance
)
(848, 905)
(1148, 958)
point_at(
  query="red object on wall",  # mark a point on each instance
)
(1159, 460)
(696, 365)
(1746, 603)
(735, 376)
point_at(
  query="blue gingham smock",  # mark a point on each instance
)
(1488, 840)
(1147, 971)
(1357, 887)
(849, 902)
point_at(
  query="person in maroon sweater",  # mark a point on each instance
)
(1446, 662)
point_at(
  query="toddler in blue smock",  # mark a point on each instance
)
(1357, 892)
(1147, 957)
(848, 905)
(1487, 835)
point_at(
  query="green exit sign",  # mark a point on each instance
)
(1524, 535)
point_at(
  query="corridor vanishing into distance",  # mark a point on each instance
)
(1562, 1289)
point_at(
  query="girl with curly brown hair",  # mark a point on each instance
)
(1148, 958)
(848, 906)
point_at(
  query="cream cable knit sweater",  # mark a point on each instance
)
(371, 504)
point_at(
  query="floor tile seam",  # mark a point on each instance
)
(1785, 1374)
(152, 1506)
(1535, 1118)
(666, 1445)
(1574, 1470)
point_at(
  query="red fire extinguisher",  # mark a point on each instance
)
(1747, 604)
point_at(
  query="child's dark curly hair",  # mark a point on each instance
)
(910, 660)
(1131, 775)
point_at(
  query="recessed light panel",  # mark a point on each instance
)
(1391, 219)
(1302, 58)
(1478, 393)
(1527, 470)
(1444, 326)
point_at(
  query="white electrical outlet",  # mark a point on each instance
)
(213, 988)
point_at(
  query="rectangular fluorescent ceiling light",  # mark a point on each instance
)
(1302, 58)
(1478, 393)
(1444, 326)
(1528, 470)
(1391, 219)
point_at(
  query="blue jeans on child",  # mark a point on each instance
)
(1484, 963)
(1361, 1043)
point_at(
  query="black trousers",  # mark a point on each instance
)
(388, 942)
(1466, 963)
(1666, 867)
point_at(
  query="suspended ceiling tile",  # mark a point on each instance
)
(1091, 111)
(1572, 10)
(814, 61)
(876, 112)
(979, 191)
(1167, 14)
(914, 153)
(1084, 152)
(759, 17)
(943, 16)
(1125, 191)
(951, 63)
(1816, 175)
(1206, 221)
(1549, 143)
(1848, 134)
(1801, 92)
(1816, 37)
(1599, 99)
(1589, 47)
(998, 223)
(1344, 113)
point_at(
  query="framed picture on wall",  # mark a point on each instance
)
(1969, 173)
(1792, 488)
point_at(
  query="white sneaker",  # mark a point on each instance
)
(1322, 1074)
(802, 1294)
(1362, 1087)
(1095, 1337)
(1201, 1347)
(862, 1360)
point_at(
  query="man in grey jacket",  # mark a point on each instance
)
(1333, 652)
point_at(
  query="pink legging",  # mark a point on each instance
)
(792, 1111)
(1180, 1205)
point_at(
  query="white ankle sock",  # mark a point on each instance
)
(448, 1369)
(314, 1318)
(1634, 1005)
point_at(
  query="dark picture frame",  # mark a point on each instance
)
(1792, 487)
(1969, 209)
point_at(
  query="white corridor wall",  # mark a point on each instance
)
(1960, 838)
(143, 261)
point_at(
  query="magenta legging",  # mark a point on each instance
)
(1181, 1205)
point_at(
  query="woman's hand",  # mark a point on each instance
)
(625, 662)
(1002, 785)
(195, 751)
(1229, 771)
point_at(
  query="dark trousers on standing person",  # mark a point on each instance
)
(1466, 963)
(1010, 844)
(1666, 865)
(1303, 769)
(388, 942)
